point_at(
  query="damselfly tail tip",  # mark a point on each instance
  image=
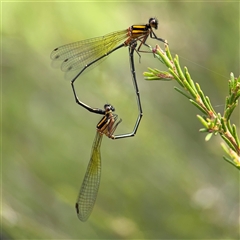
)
(166, 42)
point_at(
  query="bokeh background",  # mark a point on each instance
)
(166, 182)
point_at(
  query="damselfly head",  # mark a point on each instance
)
(109, 107)
(153, 22)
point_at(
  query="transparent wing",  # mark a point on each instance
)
(89, 189)
(75, 56)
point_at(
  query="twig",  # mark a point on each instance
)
(213, 123)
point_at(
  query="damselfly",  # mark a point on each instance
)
(82, 54)
(89, 189)
(79, 56)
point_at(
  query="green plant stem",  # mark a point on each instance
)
(214, 123)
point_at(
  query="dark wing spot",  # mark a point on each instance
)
(76, 206)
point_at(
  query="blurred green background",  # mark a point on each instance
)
(166, 182)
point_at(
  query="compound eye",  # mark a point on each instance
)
(109, 107)
(150, 20)
(153, 22)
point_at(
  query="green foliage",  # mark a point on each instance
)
(214, 123)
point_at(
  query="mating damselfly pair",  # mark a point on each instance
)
(76, 58)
